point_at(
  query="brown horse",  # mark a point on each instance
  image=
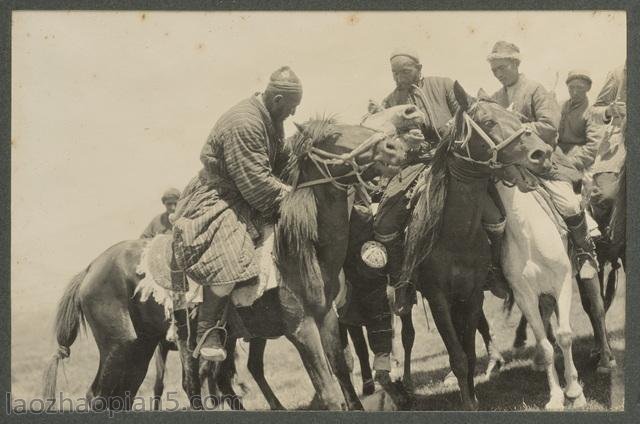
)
(311, 241)
(446, 244)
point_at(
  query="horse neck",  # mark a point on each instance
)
(462, 213)
(333, 226)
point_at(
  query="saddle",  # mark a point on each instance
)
(155, 266)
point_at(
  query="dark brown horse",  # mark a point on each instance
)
(311, 244)
(446, 244)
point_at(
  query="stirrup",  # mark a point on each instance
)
(217, 354)
(588, 264)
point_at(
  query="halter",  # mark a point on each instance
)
(323, 159)
(494, 148)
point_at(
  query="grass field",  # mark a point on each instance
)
(517, 387)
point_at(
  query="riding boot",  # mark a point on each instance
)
(405, 292)
(496, 280)
(211, 332)
(584, 245)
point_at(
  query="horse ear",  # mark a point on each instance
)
(483, 95)
(300, 127)
(461, 96)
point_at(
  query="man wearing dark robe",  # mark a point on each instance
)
(222, 210)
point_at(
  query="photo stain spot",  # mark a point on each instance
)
(200, 46)
(143, 16)
(353, 19)
(472, 30)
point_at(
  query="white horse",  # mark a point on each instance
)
(536, 263)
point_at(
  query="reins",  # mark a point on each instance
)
(323, 159)
(494, 147)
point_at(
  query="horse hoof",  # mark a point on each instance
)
(407, 383)
(368, 387)
(579, 402)
(606, 367)
(555, 405)
(494, 368)
(450, 379)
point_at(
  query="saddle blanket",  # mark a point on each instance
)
(156, 282)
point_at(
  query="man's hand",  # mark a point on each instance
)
(373, 107)
(414, 138)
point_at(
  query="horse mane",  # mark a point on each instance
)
(310, 134)
(426, 219)
(296, 233)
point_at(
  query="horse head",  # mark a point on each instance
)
(492, 135)
(324, 151)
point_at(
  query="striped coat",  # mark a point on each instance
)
(220, 212)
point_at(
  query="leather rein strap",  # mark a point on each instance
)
(494, 147)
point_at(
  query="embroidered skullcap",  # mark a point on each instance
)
(172, 194)
(406, 53)
(504, 50)
(579, 74)
(284, 80)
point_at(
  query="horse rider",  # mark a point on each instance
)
(161, 224)
(609, 111)
(222, 210)
(434, 96)
(577, 134)
(539, 110)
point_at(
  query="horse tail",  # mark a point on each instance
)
(69, 316)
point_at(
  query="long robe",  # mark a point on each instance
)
(221, 210)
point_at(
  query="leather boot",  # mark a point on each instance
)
(405, 292)
(211, 333)
(584, 245)
(496, 280)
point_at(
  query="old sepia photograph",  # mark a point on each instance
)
(318, 210)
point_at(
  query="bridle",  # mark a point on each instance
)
(323, 159)
(494, 147)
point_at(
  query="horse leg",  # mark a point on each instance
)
(408, 338)
(360, 346)
(141, 353)
(573, 390)
(457, 357)
(591, 298)
(191, 382)
(496, 361)
(255, 363)
(521, 335)
(466, 325)
(226, 370)
(329, 336)
(529, 305)
(610, 290)
(161, 364)
(307, 341)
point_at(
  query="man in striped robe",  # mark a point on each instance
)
(221, 211)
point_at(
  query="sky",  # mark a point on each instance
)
(111, 108)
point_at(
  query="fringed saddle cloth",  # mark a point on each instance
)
(154, 266)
